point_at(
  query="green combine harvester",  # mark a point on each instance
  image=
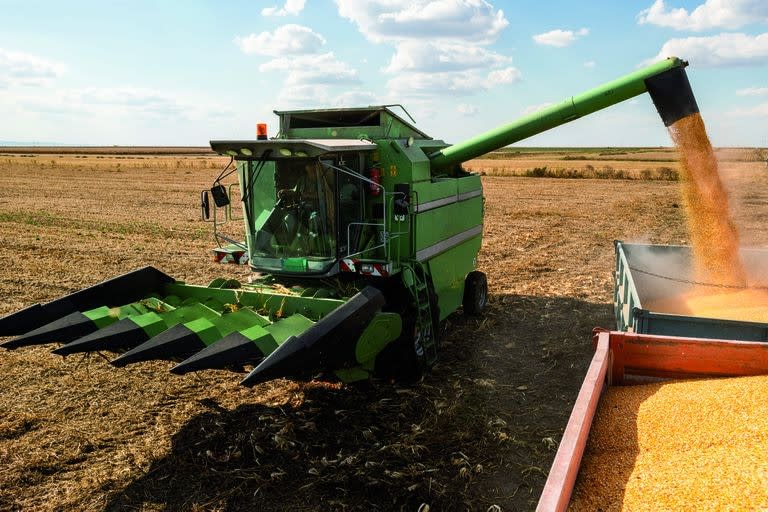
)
(362, 230)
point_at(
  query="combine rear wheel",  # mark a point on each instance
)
(475, 293)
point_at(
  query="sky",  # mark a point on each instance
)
(157, 73)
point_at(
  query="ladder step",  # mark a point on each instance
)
(420, 291)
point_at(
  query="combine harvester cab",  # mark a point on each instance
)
(363, 230)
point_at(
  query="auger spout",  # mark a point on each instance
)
(665, 81)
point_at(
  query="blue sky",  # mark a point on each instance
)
(180, 73)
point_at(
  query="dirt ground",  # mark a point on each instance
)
(480, 430)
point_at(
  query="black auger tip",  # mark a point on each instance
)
(117, 336)
(233, 350)
(177, 342)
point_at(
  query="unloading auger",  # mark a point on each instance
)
(364, 233)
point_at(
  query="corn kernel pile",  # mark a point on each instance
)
(686, 445)
(748, 305)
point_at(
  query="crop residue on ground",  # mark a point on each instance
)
(481, 429)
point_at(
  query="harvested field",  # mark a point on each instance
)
(32, 151)
(480, 430)
(602, 163)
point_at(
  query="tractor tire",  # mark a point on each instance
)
(475, 293)
(403, 359)
(399, 360)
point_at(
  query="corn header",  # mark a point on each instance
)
(363, 233)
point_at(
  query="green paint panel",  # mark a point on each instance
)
(242, 319)
(154, 323)
(448, 272)
(290, 326)
(205, 330)
(353, 374)
(104, 315)
(430, 191)
(262, 300)
(383, 329)
(262, 338)
(432, 228)
(401, 164)
(211, 303)
(213, 329)
(190, 312)
(173, 300)
(151, 322)
(469, 183)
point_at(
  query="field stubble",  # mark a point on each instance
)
(480, 429)
(601, 163)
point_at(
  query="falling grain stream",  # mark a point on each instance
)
(724, 290)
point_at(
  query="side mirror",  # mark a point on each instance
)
(205, 205)
(220, 196)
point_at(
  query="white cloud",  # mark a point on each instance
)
(730, 14)
(756, 111)
(24, 69)
(503, 76)
(429, 85)
(303, 95)
(466, 110)
(288, 39)
(128, 102)
(129, 96)
(727, 49)
(560, 38)
(355, 98)
(590, 64)
(312, 95)
(441, 56)
(449, 83)
(753, 91)
(440, 45)
(397, 20)
(322, 69)
(307, 75)
(291, 7)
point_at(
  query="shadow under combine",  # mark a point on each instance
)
(480, 429)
